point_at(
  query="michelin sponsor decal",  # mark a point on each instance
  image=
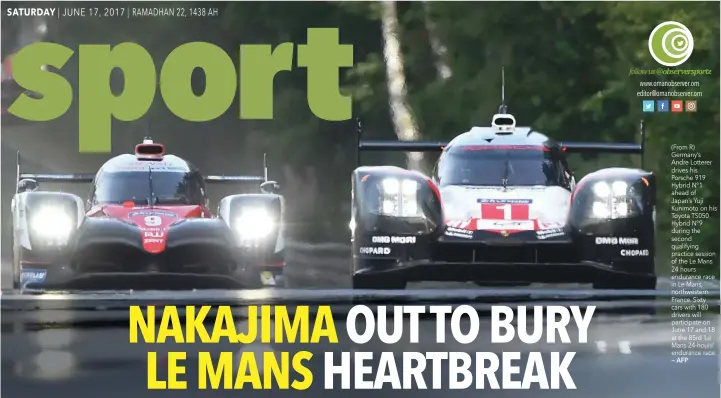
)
(613, 240)
(459, 233)
(379, 251)
(506, 201)
(400, 240)
(550, 233)
(634, 253)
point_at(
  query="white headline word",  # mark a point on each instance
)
(402, 368)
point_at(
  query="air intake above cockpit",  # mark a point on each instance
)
(149, 150)
(503, 124)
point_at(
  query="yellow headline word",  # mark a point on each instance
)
(233, 371)
(273, 325)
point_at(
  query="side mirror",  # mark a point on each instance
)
(27, 185)
(270, 187)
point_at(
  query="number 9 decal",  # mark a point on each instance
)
(152, 221)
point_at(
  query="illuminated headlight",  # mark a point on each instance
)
(52, 225)
(399, 198)
(612, 200)
(254, 224)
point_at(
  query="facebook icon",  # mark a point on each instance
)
(662, 105)
(648, 106)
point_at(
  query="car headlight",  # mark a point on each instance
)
(612, 200)
(399, 198)
(254, 224)
(52, 225)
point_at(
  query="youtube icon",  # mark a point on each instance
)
(676, 106)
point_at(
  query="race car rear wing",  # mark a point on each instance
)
(438, 146)
(240, 179)
(90, 177)
(44, 177)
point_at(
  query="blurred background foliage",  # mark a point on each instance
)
(567, 75)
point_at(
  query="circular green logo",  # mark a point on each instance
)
(670, 43)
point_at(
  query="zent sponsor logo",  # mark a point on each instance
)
(616, 241)
(400, 240)
(634, 253)
(152, 240)
(383, 251)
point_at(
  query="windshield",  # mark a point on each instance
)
(168, 187)
(488, 166)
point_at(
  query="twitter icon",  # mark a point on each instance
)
(648, 106)
(662, 105)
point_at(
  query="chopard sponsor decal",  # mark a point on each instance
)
(550, 233)
(152, 213)
(634, 253)
(375, 250)
(613, 240)
(401, 240)
(459, 233)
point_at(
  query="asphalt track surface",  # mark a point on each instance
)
(628, 354)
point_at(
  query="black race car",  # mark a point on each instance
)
(503, 207)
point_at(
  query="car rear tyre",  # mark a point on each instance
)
(627, 282)
(378, 282)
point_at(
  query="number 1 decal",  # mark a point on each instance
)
(509, 211)
(153, 221)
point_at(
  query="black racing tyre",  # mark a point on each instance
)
(627, 282)
(378, 282)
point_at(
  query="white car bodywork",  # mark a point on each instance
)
(528, 208)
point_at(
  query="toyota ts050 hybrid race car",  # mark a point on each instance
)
(147, 221)
(503, 207)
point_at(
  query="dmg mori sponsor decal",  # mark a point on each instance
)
(400, 240)
(634, 253)
(613, 240)
(380, 251)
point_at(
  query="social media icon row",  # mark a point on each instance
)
(663, 106)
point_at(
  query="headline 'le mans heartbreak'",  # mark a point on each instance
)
(270, 369)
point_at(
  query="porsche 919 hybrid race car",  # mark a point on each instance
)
(146, 223)
(503, 207)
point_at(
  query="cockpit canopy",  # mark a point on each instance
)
(499, 165)
(167, 182)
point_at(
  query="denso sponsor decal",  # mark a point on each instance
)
(152, 213)
(613, 240)
(635, 253)
(382, 251)
(400, 240)
(153, 234)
